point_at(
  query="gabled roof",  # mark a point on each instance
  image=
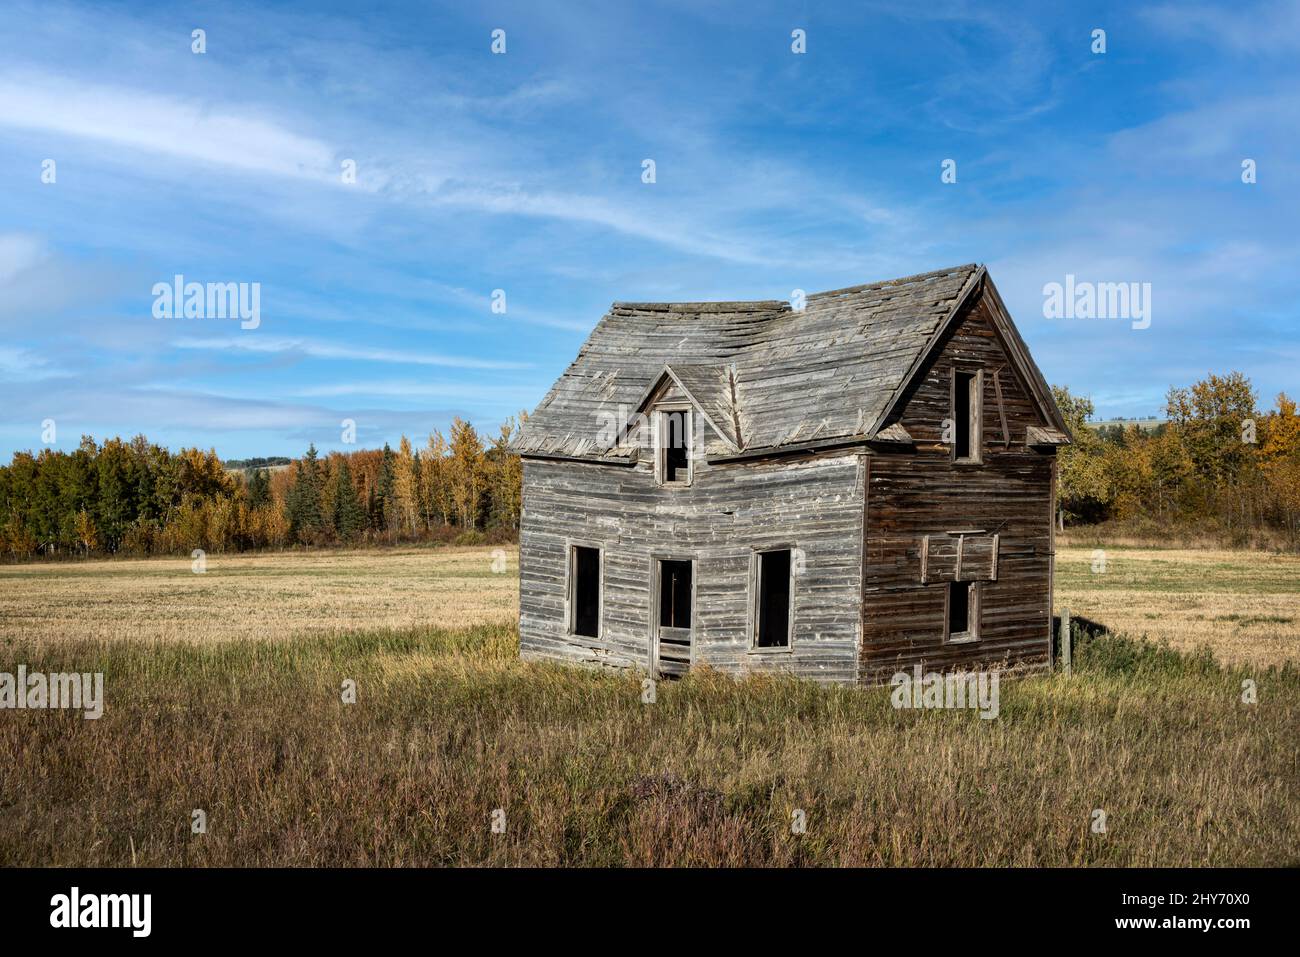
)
(766, 377)
(710, 387)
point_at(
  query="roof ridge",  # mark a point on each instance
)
(901, 281)
(719, 305)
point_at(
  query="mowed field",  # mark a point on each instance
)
(223, 694)
(1243, 606)
(274, 596)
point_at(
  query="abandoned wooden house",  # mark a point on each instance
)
(840, 491)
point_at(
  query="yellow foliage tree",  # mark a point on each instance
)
(406, 488)
(466, 472)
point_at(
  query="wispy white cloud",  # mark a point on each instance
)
(23, 365)
(416, 389)
(186, 128)
(318, 349)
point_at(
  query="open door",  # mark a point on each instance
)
(674, 592)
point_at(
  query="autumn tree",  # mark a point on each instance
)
(1083, 488)
(1215, 418)
(87, 533)
(406, 488)
(435, 480)
(466, 472)
(506, 476)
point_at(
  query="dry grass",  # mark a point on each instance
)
(277, 595)
(1243, 605)
(451, 725)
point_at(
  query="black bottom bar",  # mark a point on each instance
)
(330, 906)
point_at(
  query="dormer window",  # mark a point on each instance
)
(673, 454)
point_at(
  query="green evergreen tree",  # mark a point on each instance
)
(348, 518)
(259, 486)
(384, 494)
(304, 498)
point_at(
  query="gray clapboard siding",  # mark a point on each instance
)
(730, 511)
(829, 442)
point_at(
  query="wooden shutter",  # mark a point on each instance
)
(949, 557)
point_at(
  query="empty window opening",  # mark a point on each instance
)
(585, 591)
(774, 599)
(963, 611)
(674, 439)
(966, 416)
(674, 594)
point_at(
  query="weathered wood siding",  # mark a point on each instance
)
(813, 504)
(922, 492)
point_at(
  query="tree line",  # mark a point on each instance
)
(138, 498)
(1217, 463)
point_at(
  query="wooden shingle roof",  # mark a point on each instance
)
(769, 377)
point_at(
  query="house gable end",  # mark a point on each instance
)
(979, 334)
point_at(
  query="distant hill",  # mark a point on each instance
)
(270, 462)
(1146, 425)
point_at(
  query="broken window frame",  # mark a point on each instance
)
(656, 583)
(972, 631)
(657, 616)
(571, 589)
(974, 413)
(662, 432)
(756, 600)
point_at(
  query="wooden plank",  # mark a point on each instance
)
(1002, 411)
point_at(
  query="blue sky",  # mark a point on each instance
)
(523, 172)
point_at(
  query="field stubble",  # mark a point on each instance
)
(449, 725)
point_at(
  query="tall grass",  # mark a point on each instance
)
(449, 725)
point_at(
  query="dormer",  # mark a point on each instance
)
(690, 413)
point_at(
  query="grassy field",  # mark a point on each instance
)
(449, 726)
(1242, 605)
(277, 595)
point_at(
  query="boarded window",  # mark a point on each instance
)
(584, 591)
(674, 594)
(773, 600)
(963, 611)
(959, 556)
(674, 446)
(966, 416)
